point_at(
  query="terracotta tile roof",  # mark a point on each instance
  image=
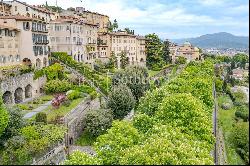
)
(21, 18)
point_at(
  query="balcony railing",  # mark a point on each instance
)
(40, 30)
(42, 42)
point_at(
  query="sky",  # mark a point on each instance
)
(170, 19)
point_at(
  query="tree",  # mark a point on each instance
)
(115, 24)
(4, 117)
(112, 61)
(124, 60)
(135, 77)
(181, 60)
(121, 101)
(15, 123)
(240, 139)
(166, 52)
(154, 52)
(98, 121)
(80, 158)
(120, 136)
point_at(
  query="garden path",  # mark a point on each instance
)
(37, 110)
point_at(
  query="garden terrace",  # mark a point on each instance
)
(172, 125)
(102, 82)
(15, 70)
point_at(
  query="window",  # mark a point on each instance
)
(15, 8)
(17, 58)
(27, 8)
(26, 26)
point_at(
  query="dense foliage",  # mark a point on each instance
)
(79, 158)
(4, 117)
(57, 86)
(31, 142)
(135, 77)
(16, 122)
(121, 101)
(172, 124)
(101, 81)
(98, 121)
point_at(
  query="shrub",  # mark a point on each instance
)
(4, 118)
(135, 77)
(121, 101)
(57, 86)
(80, 158)
(41, 117)
(243, 113)
(74, 95)
(98, 121)
(93, 95)
(240, 139)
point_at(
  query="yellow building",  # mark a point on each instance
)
(5, 9)
(186, 50)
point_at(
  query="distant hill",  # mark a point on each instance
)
(217, 40)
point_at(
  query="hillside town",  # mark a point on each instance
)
(76, 89)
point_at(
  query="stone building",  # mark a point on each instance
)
(9, 45)
(186, 50)
(33, 39)
(74, 36)
(117, 42)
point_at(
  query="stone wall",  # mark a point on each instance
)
(18, 89)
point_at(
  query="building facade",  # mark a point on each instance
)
(186, 50)
(75, 37)
(9, 45)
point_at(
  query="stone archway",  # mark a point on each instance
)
(7, 97)
(18, 95)
(28, 91)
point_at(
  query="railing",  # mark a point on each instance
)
(42, 42)
(78, 43)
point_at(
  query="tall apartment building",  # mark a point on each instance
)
(117, 42)
(31, 41)
(75, 37)
(9, 45)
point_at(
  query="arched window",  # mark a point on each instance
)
(17, 58)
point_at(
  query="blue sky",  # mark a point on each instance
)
(170, 18)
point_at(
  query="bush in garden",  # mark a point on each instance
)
(57, 86)
(58, 100)
(121, 101)
(16, 122)
(186, 111)
(33, 141)
(243, 113)
(4, 117)
(41, 117)
(181, 60)
(120, 136)
(143, 122)
(98, 121)
(240, 139)
(135, 77)
(74, 95)
(168, 146)
(80, 158)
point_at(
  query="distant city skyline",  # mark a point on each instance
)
(172, 19)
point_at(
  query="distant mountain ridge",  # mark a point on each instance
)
(217, 40)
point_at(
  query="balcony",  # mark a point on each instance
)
(39, 30)
(45, 42)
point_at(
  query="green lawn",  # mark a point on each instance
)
(35, 103)
(62, 111)
(86, 139)
(226, 121)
